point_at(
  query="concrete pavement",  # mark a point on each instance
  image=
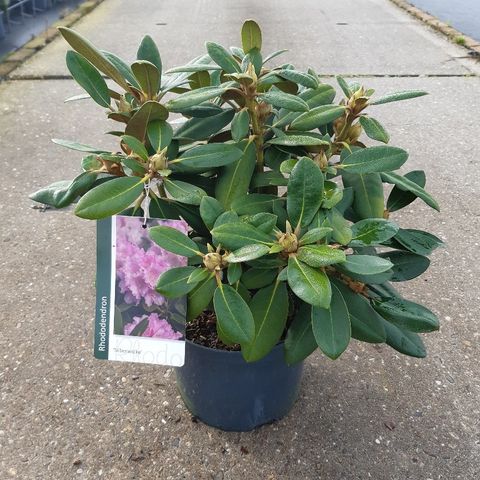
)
(371, 414)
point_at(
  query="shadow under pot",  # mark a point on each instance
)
(222, 390)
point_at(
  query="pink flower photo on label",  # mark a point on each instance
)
(156, 327)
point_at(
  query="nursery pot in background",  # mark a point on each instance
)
(224, 391)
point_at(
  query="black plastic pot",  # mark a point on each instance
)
(224, 391)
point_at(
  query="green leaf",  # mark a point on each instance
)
(122, 68)
(240, 125)
(406, 314)
(210, 210)
(314, 235)
(61, 194)
(234, 179)
(418, 241)
(251, 36)
(248, 252)
(136, 146)
(280, 99)
(368, 201)
(305, 188)
(265, 179)
(320, 255)
(293, 139)
(184, 192)
(344, 86)
(309, 284)
(222, 57)
(109, 198)
(205, 157)
(263, 221)
(301, 78)
(317, 117)
(372, 232)
(405, 342)
(255, 278)
(342, 233)
(80, 147)
(88, 77)
(269, 308)
(237, 235)
(400, 198)
(226, 217)
(147, 76)
(149, 112)
(199, 275)
(174, 241)
(234, 272)
(162, 208)
(93, 55)
(200, 297)
(366, 323)
(406, 265)
(375, 159)
(300, 341)
(160, 134)
(331, 326)
(202, 128)
(366, 264)
(91, 163)
(254, 203)
(273, 55)
(395, 97)
(173, 282)
(195, 97)
(140, 328)
(255, 58)
(410, 186)
(148, 51)
(374, 129)
(234, 318)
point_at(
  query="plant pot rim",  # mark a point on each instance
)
(232, 352)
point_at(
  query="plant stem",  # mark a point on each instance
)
(257, 129)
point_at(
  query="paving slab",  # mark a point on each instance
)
(370, 414)
(354, 36)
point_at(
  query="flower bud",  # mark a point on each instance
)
(213, 261)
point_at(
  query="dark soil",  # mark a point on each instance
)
(203, 330)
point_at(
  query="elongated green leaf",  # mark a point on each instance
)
(205, 157)
(320, 255)
(254, 203)
(293, 139)
(366, 323)
(372, 232)
(160, 134)
(309, 284)
(234, 272)
(148, 112)
(317, 117)
(234, 317)
(366, 264)
(202, 128)
(210, 210)
(263, 221)
(400, 198)
(88, 77)
(305, 188)
(375, 159)
(109, 198)
(240, 125)
(200, 297)
(226, 217)
(410, 186)
(222, 57)
(344, 86)
(148, 51)
(418, 241)
(147, 76)
(80, 147)
(342, 232)
(301, 78)
(93, 55)
(195, 97)
(237, 235)
(331, 326)
(265, 179)
(408, 343)
(368, 201)
(173, 282)
(174, 241)
(199, 275)
(255, 278)
(248, 252)
(251, 36)
(374, 129)
(273, 55)
(269, 308)
(184, 192)
(122, 67)
(136, 146)
(194, 67)
(280, 99)
(300, 341)
(314, 235)
(406, 265)
(407, 315)
(395, 97)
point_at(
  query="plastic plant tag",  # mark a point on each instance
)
(133, 322)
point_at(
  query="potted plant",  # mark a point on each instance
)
(290, 246)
